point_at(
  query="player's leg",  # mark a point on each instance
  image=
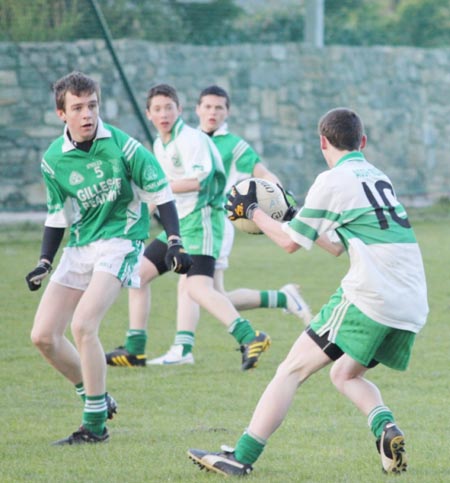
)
(368, 343)
(219, 280)
(95, 302)
(287, 298)
(140, 298)
(188, 315)
(348, 377)
(48, 333)
(188, 312)
(304, 359)
(91, 309)
(132, 352)
(112, 264)
(200, 281)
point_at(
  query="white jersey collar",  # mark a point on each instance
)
(221, 131)
(102, 132)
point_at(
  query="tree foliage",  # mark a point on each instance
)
(419, 23)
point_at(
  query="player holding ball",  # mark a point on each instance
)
(371, 319)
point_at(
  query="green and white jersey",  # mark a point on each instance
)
(239, 158)
(386, 279)
(102, 194)
(190, 153)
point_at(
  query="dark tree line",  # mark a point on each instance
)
(419, 23)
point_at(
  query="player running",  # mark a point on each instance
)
(240, 162)
(195, 170)
(372, 318)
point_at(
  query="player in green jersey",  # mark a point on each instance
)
(240, 162)
(98, 182)
(372, 318)
(197, 178)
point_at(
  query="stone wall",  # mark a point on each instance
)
(278, 93)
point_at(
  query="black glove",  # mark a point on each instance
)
(35, 277)
(242, 205)
(177, 259)
(290, 202)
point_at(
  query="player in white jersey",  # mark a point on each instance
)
(240, 162)
(197, 178)
(98, 182)
(372, 318)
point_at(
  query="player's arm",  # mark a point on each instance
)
(177, 259)
(330, 244)
(197, 163)
(273, 229)
(186, 185)
(261, 171)
(55, 224)
(160, 194)
(51, 241)
(246, 206)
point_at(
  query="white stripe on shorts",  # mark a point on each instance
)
(335, 320)
(208, 243)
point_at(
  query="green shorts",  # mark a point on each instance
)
(202, 232)
(359, 336)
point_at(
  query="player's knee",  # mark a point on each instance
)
(83, 330)
(338, 377)
(43, 340)
(294, 370)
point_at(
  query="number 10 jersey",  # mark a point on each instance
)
(386, 278)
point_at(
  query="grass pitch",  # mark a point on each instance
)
(165, 410)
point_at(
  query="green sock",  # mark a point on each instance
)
(79, 388)
(242, 331)
(136, 341)
(186, 339)
(378, 418)
(249, 448)
(273, 299)
(95, 414)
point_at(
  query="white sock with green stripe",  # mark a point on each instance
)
(186, 339)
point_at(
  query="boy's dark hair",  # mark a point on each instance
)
(162, 90)
(214, 91)
(343, 128)
(77, 84)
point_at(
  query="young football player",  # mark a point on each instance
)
(98, 182)
(374, 315)
(240, 162)
(197, 178)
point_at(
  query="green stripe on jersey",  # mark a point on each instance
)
(367, 229)
(304, 229)
(362, 223)
(313, 213)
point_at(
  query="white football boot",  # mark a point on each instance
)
(173, 357)
(296, 305)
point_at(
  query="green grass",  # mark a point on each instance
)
(165, 410)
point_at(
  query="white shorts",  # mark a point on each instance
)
(116, 256)
(227, 245)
